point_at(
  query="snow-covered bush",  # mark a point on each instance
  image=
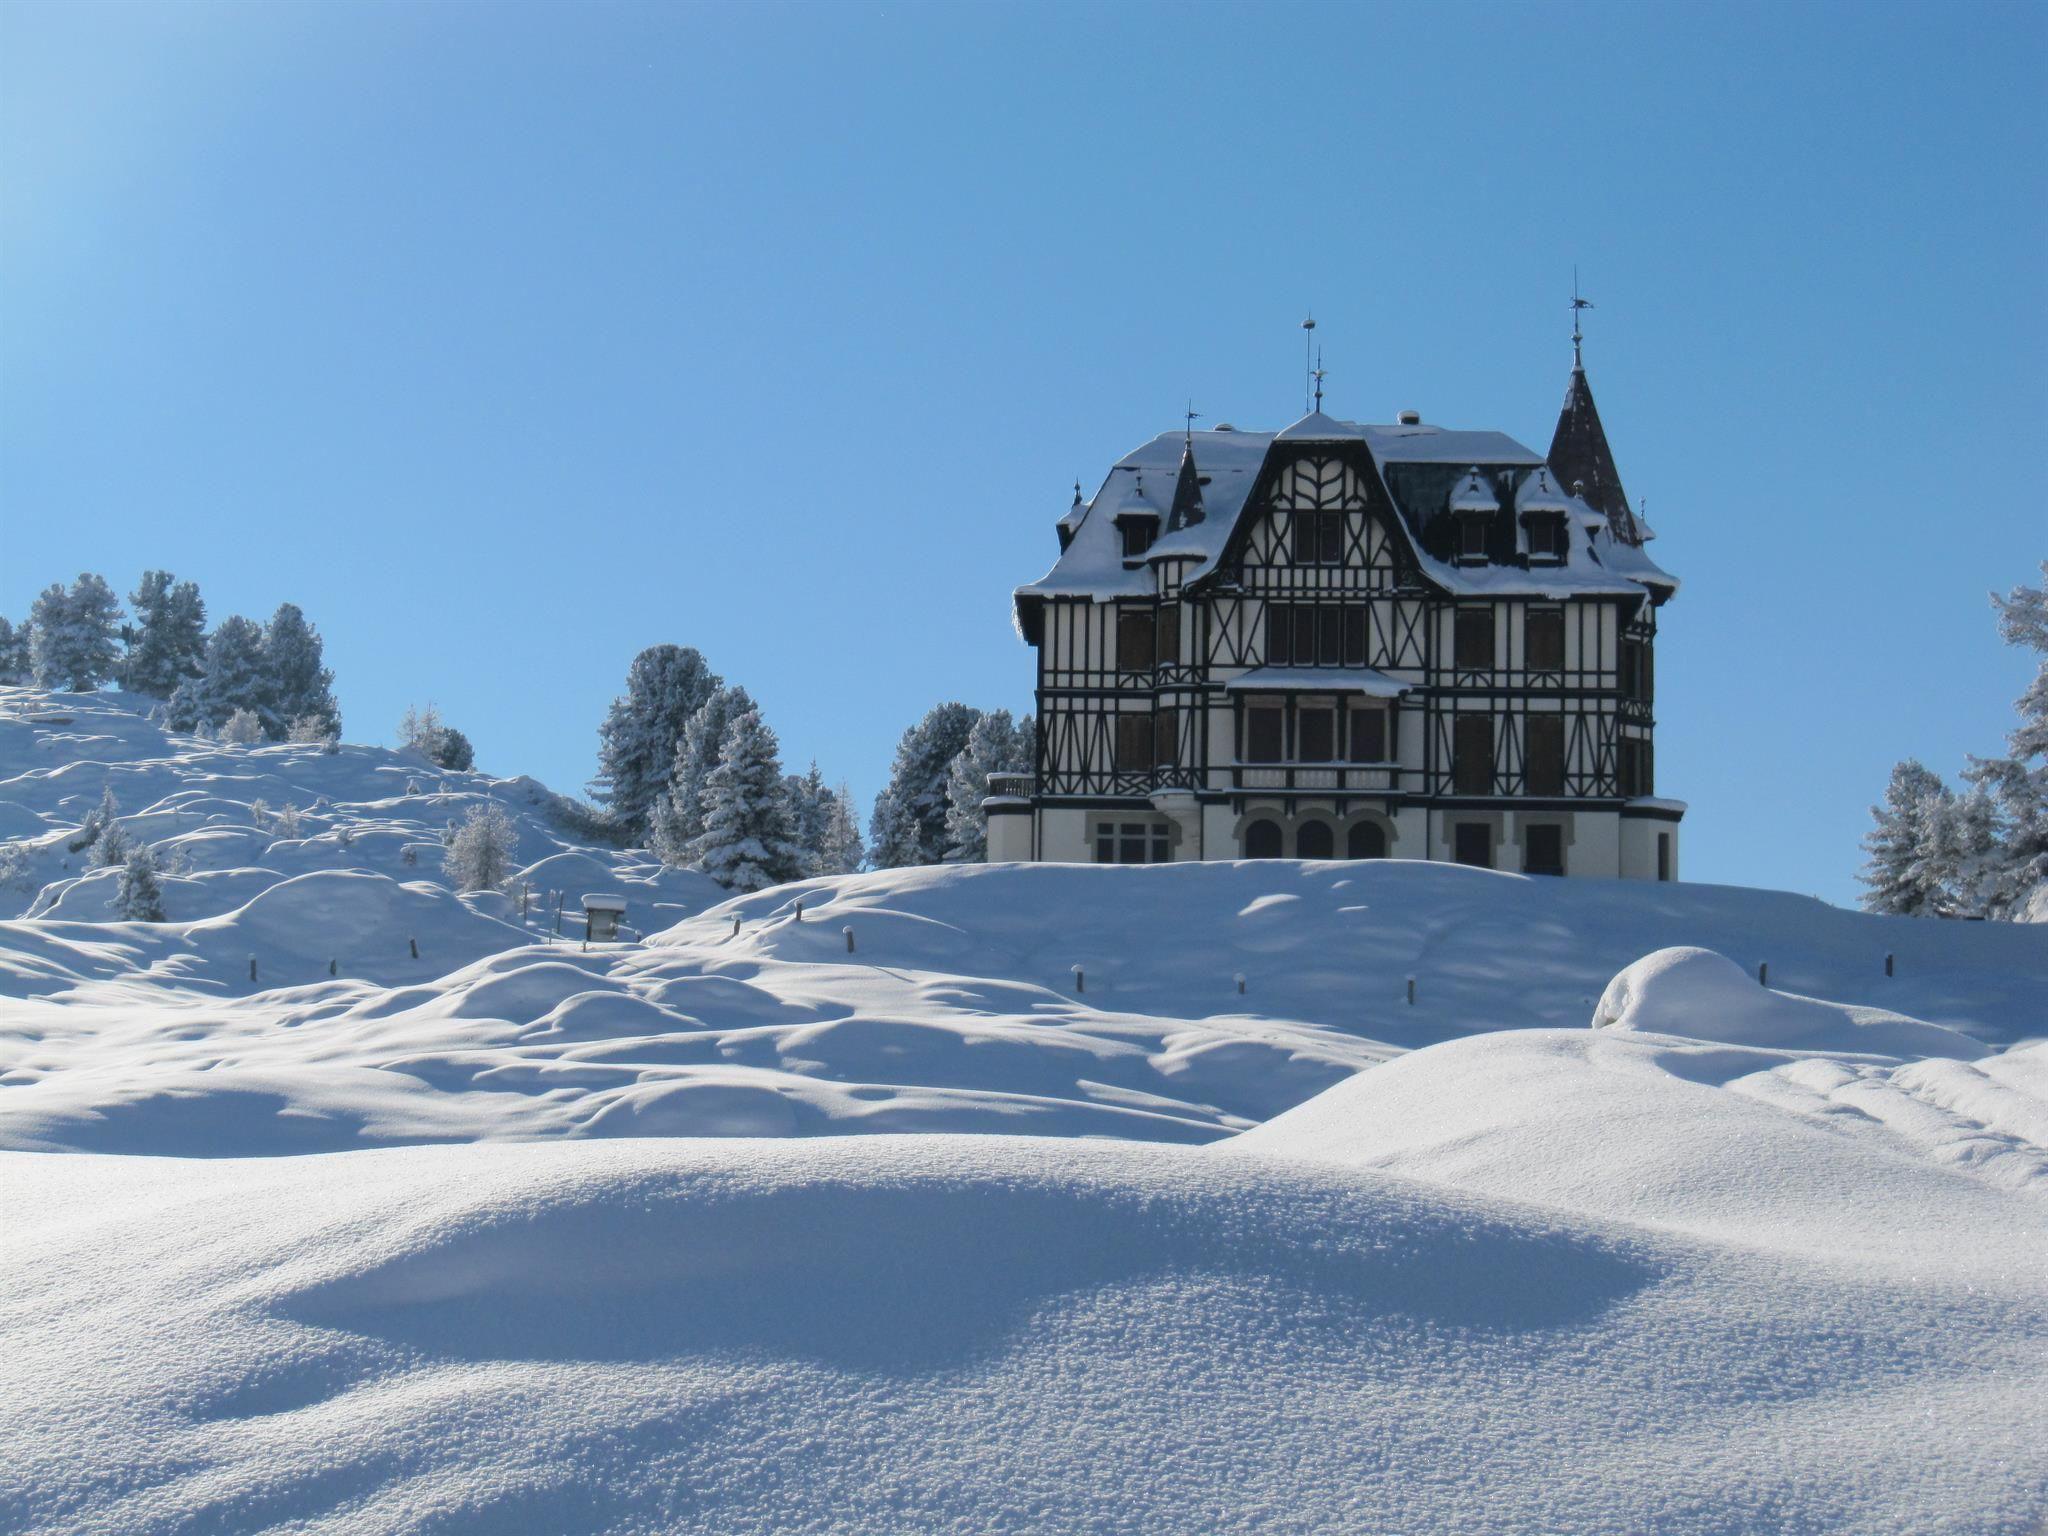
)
(259, 812)
(909, 822)
(312, 731)
(72, 639)
(243, 728)
(289, 821)
(637, 743)
(110, 848)
(747, 842)
(15, 874)
(97, 820)
(479, 854)
(139, 898)
(454, 751)
(425, 732)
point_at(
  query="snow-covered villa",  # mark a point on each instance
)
(1349, 641)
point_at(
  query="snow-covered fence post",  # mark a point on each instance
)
(848, 931)
(415, 943)
(1763, 973)
(252, 967)
(1239, 979)
(799, 909)
(333, 966)
(1888, 962)
(735, 925)
(1080, 980)
(1411, 991)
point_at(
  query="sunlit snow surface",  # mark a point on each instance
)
(1737, 1259)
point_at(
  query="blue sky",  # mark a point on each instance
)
(509, 339)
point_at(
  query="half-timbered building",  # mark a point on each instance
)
(1349, 641)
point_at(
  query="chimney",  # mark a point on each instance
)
(1410, 418)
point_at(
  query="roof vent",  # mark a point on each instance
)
(1224, 426)
(1410, 418)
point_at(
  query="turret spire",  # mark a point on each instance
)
(1578, 361)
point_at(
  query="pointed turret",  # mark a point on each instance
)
(1187, 492)
(1581, 460)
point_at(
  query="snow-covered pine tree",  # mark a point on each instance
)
(479, 854)
(167, 640)
(1962, 853)
(1896, 875)
(111, 847)
(747, 842)
(997, 744)
(14, 657)
(234, 677)
(909, 824)
(843, 852)
(636, 745)
(681, 815)
(73, 634)
(296, 683)
(810, 802)
(453, 751)
(2018, 782)
(309, 731)
(139, 898)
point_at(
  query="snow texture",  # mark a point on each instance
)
(528, 1236)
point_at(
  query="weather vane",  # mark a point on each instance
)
(1319, 375)
(1308, 327)
(1577, 305)
(1193, 416)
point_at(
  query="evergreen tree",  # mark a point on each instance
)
(72, 641)
(139, 898)
(997, 744)
(909, 825)
(810, 802)
(111, 847)
(234, 677)
(747, 842)
(841, 851)
(453, 751)
(1897, 874)
(1961, 856)
(636, 751)
(167, 642)
(296, 684)
(15, 668)
(679, 820)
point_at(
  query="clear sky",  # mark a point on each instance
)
(508, 339)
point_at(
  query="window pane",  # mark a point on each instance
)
(1169, 634)
(1314, 840)
(1105, 846)
(1544, 749)
(1472, 647)
(1131, 846)
(1304, 635)
(1369, 735)
(1473, 844)
(1354, 636)
(1304, 538)
(1329, 636)
(1472, 755)
(1318, 728)
(1543, 641)
(1166, 737)
(1332, 537)
(1137, 537)
(1159, 850)
(1472, 536)
(1543, 850)
(1279, 635)
(1262, 735)
(1133, 743)
(1134, 641)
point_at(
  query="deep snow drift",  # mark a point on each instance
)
(1731, 1259)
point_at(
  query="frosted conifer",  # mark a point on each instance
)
(909, 824)
(243, 728)
(139, 898)
(810, 802)
(747, 844)
(681, 817)
(14, 654)
(841, 851)
(1897, 876)
(296, 683)
(997, 744)
(665, 686)
(72, 640)
(167, 640)
(479, 854)
(233, 677)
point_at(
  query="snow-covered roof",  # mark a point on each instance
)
(1318, 680)
(1472, 494)
(604, 903)
(1537, 494)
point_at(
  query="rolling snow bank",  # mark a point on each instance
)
(589, 1245)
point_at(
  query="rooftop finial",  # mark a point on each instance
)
(1319, 376)
(1077, 493)
(1308, 327)
(1578, 362)
(1193, 416)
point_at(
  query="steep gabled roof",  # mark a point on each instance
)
(1579, 456)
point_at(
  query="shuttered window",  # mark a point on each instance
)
(1472, 640)
(1134, 640)
(1544, 753)
(1543, 640)
(1262, 734)
(1133, 743)
(1368, 734)
(1472, 755)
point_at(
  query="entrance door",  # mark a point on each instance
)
(1472, 843)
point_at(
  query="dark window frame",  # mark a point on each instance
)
(1466, 627)
(1543, 849)
(1548, 623)
(1472, 754)
(1136, 636)
(1134, 742)
(1254, 715)
(1543, 754)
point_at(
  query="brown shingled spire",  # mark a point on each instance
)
(1579, 455)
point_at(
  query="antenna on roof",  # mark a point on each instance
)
(1319, 375)
(1578, 362)
(1308, 327)
(1193, 416)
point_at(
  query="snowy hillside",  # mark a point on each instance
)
(1733, 1258)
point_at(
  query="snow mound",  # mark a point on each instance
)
(1701, 995)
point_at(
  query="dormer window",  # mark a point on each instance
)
(1471, 537)
(1473, 506)
(1139, 531)
(1546, 536)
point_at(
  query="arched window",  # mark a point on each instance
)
(1366, 840)
(1262, 840)
(1314, 841)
